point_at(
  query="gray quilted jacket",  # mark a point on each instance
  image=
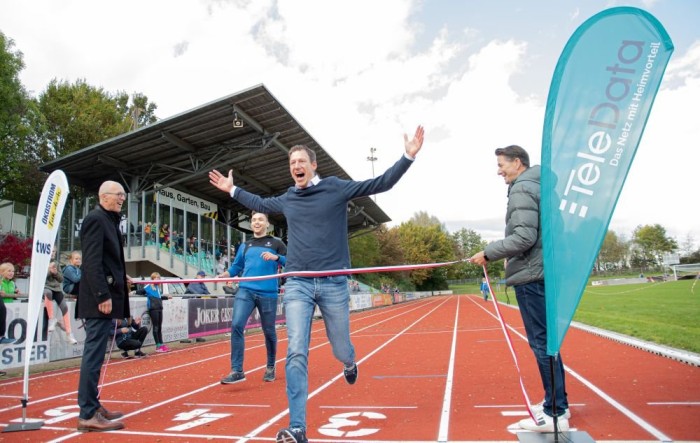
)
(522, 246)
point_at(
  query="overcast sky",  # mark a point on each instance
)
(359, 74)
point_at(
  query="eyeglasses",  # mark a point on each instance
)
(118, 194)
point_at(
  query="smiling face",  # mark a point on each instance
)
(76, 259)
(259, 224)
(509, 168)
(112, 196)
(302, 168)
(8, 272)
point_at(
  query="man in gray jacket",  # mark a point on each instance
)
(522, 249)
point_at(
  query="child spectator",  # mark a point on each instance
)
(53, 291)
(72, 274)
(7, 290)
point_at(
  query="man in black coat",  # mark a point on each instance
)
(103, 296)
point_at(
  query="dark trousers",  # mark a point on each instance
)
(97, 332)
(533, 310)
(157, 325)
(3, 319)
(135, 341)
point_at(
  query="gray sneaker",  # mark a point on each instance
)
(291, 435)
(233, 377)
(269, 374)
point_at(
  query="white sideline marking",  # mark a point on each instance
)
(447, 399)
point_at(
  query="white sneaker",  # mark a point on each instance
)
(71, 339)
(52, 324)
(544, 423)
(539, 409)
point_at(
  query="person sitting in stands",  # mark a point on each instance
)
(198, 287)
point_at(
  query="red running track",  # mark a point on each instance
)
(436, 369)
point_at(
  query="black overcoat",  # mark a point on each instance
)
(104, 271)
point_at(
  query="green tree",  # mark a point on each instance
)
(365, 250)
(427, 244)
(75, 116)
(79, 115)
(467, 242)
(612, 253)
(136, 110)
(651, 243)
(18, 120)
(422, 218)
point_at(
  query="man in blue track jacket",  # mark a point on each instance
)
(261, 255)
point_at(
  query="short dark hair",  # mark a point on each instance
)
(252, 213)
(514, 151)
(309, 151)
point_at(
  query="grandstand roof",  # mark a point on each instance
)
(179, 151)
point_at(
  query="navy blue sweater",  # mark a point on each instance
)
(317, 217)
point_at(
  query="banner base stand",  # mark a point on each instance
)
(551, 437)
(24, 426)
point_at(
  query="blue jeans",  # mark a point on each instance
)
(534, 313)
(300, 299)
(246, 300)
(97, 332)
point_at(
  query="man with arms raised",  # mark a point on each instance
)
(317, 217)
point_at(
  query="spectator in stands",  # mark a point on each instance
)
(147, 231)
(192, 244)
(130, 336)
(53, 291)
(316, 213)
(198, 287)
(104, 287)
(522, 247)
(164, 235)
(71, 274)
(154, 303)
(7, 291)
(261, 255)
(221, 263)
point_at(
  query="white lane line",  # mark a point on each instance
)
(255, 432)
(368, 407)
(571, 405)
(229, 405)
(614, 403)
(674, 403)
(447, 399)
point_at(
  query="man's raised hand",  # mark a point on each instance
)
(220, 181)
(414, 145)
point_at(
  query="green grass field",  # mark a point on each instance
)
(666, 313)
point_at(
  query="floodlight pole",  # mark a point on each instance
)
(372, 159)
